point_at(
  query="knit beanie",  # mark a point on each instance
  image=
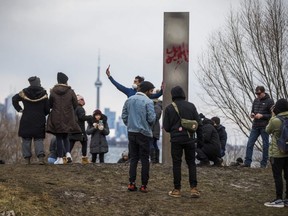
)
(79, 97)
(177, 92)
(34, 81)
(62, 78)
(281, 106)
(146, 86)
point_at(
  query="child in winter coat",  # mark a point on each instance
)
(98, 129)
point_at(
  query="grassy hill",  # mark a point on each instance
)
(101, 189)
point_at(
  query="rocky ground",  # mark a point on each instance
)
(102, 190)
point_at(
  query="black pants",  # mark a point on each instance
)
(139, 149)
(206, 154)
(279, 165)
(101, 157)
(84, 146)
(176, 153)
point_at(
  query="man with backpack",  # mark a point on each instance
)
(277, 152)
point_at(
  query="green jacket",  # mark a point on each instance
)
(273, 128)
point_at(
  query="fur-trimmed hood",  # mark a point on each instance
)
(33, 93)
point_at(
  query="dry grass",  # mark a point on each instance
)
(102, 190)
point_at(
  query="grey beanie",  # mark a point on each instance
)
(34, 81)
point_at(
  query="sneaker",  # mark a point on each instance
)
(175, 193)
(85, 160)
(59, 161)
(278, 203)
(27, 161)
(285, 202)
(69, 158)
(195, 193)
(132, 187)
(143, 189)
(41, 160)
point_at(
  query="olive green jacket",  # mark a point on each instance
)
(273, 128)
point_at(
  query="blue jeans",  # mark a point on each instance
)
(254, 134)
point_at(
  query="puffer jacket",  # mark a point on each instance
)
(98, 142)
(62, 117)
(273, 128)
(262, 106)
(36, 107)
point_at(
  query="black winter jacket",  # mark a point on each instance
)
(35, 108)
(262, 106)
(172, 123)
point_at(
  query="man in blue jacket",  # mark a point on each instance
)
(131, 91)
(138, 115)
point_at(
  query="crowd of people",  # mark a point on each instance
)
(141, 113)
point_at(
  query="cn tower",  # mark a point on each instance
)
(98, 84)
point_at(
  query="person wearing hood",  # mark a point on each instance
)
(62, 120)
(260, 113)
(181, 140)
(32, 124)
(131, 91)
(222, 134)
(278, 159)
(98, 129)
(138, 115)
(210, 148)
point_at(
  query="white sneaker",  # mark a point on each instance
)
(69, 157)
(59, 161)
(275, 203)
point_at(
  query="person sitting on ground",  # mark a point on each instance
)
(222, 134)
(209, 149)
(131, 91)
(52, 157)
(124, 157)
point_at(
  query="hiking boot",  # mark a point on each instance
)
(175, 193)
(64, 160)
(27, 161)
(132, 187)
(85, 160)
(41, 160)
(143, 189)
(59, 161)
(195, 193)
(278, 203)
(69, 157)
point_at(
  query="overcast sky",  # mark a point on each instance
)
(41, 37)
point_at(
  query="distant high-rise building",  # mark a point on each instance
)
(98, 84)
(111, 117)
(121, 129)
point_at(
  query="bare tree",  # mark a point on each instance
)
(251, 50)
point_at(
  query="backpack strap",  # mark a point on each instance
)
(177, 111)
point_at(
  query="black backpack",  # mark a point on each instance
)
(282, 142)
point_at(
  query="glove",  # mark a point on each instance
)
(101, 127)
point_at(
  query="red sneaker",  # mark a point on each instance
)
(132, 187)
(143, 189)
